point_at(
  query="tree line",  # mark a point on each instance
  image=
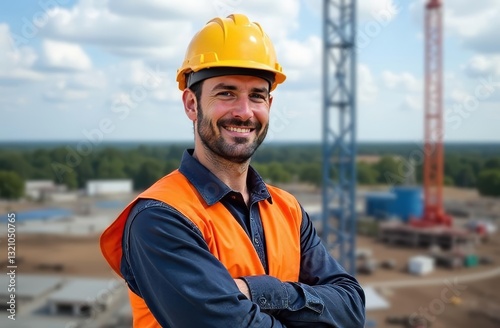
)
(285, 163)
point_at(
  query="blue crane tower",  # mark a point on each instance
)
(338, 227)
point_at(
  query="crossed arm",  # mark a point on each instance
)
(167, 262)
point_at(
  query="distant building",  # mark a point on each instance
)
(402, 201)
(79, 297)
(34, 189)
(47, 190)
(108, 187)
(29, 288)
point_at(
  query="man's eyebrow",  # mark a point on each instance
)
(223, 86)
(260, 90)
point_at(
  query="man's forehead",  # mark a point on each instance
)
(238, 81)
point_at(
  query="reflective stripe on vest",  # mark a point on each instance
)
(225, 238)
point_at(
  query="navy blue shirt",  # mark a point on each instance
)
(167, 262)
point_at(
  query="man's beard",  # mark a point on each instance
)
(234, 152)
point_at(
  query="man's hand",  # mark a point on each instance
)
(243, 287)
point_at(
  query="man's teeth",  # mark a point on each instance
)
(240, 130)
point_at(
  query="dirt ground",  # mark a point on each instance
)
(471, 304)
(66, 256)
(446, 301)
(475, 303)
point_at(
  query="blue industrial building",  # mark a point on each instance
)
(403, 202)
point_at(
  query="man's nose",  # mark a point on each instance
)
(243, 109)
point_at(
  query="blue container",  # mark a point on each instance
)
(51, 213)
(380, 204)
(409, 202)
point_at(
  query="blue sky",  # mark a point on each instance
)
(104, 70)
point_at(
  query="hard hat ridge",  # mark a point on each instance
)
(233, 45)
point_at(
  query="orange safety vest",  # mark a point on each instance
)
(225, 238)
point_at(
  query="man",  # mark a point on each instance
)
(212, 245)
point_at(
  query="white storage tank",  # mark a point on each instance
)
(420, 265)
(109, 187)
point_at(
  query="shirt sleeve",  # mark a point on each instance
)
(167, 262)
(325, 296)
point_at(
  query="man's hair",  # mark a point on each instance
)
(196, 88)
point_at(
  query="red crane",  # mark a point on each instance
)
(433, 213)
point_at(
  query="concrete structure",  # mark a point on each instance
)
(44, 214)
(28, 287)
(34, 189)
(124, 316)
(81, 297)
(74, 226)
(420, 265)
(373, 299)
(61, 196)
(108, 187)
(397, 233)
(59, 302)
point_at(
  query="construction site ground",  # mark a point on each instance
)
(465, 297)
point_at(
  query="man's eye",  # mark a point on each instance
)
(224, 94)
(258, 96)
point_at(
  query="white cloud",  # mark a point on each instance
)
(477, 30)
(63, 95)
(367, 87)
(158, 29)
(127, 36)
(402, 82)
(137, 82)
(412, 102)
(301, 61)
(161, 10)
(378, 10)
(475, 23)
(64, 56)
(15, 63)
(90, 79)
(480, 65)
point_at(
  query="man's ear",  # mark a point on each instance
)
(190, 104)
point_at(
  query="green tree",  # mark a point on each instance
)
(149, 171)
(366, 174)
(70, 179)
(448, 181)
(488, 182)
(11, 185)
(262, 169)
(84, 172)
(310, 173)
(110, 169)
(170, 165)
(492, 163)
(277, 174)
(390, 171)
(15, 161)
(466, 177)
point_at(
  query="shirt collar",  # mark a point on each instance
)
(211, 188)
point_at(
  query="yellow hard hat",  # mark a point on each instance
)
(230, 46)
